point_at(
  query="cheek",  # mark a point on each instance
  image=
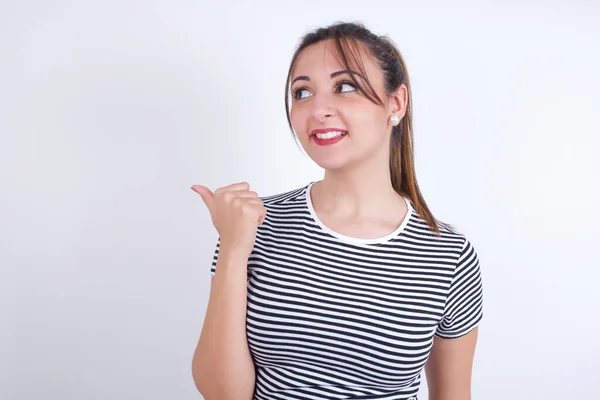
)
(298, 123)
(366, 118)
(294, 115)
(369, 127)
(299, 117)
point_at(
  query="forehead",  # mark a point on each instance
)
(321, 58)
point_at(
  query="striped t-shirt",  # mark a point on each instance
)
(335, 317)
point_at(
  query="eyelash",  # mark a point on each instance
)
(337, 86)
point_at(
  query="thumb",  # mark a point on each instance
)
(206, 194)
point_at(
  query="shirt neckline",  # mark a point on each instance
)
(354, 240)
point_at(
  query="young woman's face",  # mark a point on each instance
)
(324, 98)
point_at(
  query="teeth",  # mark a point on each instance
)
(329, 135)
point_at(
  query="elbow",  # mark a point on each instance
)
(202, 379)
(198, 377)
(213, 385)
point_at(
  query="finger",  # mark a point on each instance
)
(245, 193)
(206, 194)
(252, 204)
(237, 194)
(255, 202)
(259, 207)
(262, 217)
(234, 186)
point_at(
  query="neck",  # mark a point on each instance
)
(365, 191)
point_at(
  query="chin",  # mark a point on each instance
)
(331, 162)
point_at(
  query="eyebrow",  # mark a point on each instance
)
(332, 75)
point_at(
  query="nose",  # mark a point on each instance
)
(322, 107)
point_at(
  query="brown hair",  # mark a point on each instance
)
(347, 37)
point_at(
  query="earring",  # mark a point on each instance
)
(394, 119)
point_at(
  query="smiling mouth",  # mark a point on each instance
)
(328, 138)
(329, 135)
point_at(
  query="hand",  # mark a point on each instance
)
(236, 213)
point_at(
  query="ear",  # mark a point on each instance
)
(398, 101)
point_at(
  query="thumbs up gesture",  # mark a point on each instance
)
(236, 212)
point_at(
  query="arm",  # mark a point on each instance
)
(222, 365)
(450, 362)
(448, 369)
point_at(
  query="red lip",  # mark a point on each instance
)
(326, 130)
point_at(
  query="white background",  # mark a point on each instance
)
(111, 110)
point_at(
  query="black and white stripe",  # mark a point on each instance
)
(334, 317)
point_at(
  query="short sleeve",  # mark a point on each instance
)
(215, 257)
(464, 305)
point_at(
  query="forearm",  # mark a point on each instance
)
(464, 396)
(222, 365)
(437, 396)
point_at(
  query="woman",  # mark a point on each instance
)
(347, 287)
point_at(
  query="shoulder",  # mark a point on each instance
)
(296, 195)
(285, 208)
(450, 238)
(465, 253)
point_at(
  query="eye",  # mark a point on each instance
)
(341, 84)
(295, 93)
(340, 87)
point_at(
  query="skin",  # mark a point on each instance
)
(356, 197)
(449, 367)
